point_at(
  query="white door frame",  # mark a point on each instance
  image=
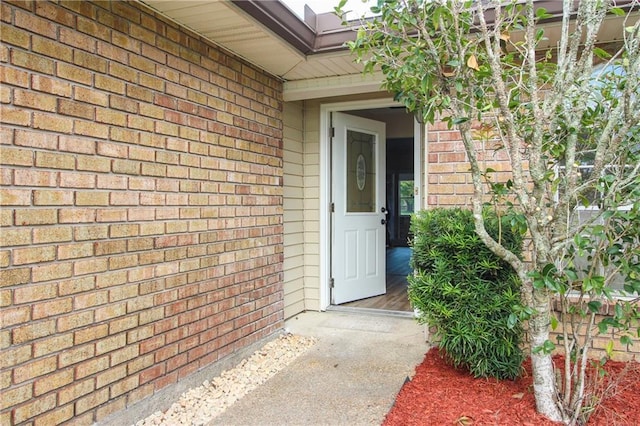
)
(325, 180)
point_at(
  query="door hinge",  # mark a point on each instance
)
(333, 132)
(332, 282)
(332, 207)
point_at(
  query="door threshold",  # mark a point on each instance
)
(371, 311)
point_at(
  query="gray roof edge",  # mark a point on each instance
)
(322, 33)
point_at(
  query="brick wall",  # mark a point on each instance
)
(449, 182)
(141, 207)
(597, 349)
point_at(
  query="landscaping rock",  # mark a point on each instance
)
(200, 405)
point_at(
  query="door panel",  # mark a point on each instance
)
(371, 257)
(351, 253)
(358, 227)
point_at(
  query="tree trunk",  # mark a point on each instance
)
(544, 384)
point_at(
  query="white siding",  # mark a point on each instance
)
(312, 205)
(293, 209)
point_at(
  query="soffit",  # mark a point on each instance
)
(229, 27)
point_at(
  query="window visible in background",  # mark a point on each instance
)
(592, 201)
(405, 191)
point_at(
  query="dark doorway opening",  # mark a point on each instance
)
(400, 190)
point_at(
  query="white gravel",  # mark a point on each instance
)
(200, 405)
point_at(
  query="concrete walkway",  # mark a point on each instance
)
(350, 377)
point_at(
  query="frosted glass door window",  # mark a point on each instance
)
(361, 172)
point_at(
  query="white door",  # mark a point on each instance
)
(359, 208)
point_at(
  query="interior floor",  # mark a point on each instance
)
(396, 298)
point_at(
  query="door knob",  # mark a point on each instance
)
(383, 222)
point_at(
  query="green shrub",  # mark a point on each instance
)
(466, 291)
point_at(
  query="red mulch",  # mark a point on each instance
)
(438, 394)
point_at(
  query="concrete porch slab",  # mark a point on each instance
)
(350, 376)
